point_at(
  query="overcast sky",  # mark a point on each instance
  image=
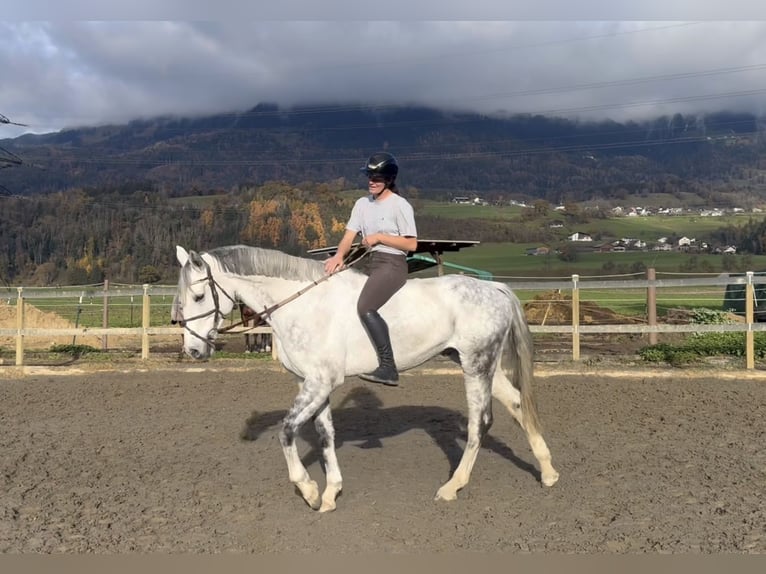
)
(59, 67)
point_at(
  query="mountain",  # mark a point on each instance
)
(717, 159)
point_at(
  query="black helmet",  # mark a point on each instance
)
(381, 163)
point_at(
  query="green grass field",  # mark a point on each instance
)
(510, 262)
(456, 211)
(645, 228)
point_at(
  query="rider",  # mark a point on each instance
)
(386, 222)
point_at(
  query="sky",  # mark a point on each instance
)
(68, 63)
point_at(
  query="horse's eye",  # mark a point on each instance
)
(198, 298)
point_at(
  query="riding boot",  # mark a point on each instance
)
(378, 332)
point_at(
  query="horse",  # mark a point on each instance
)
(477, 323)
(255, 342)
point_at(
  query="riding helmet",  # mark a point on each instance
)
(381, 163)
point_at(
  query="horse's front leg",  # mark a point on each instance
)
(312, 395)
(326, 431)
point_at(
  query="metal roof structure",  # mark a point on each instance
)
(418, 261)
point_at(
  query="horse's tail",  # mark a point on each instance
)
(518, 361)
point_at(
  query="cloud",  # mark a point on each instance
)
(59, 74)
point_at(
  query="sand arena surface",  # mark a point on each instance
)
(151, 459)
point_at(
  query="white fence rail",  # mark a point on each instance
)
(22, 332)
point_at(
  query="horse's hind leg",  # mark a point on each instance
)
(312, 396)
(479, 399)
(326, 431)
(509, 396)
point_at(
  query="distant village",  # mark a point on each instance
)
(688, 244)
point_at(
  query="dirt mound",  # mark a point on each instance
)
(36, 319)
(555, 308)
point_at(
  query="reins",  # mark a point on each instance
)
(351, 259)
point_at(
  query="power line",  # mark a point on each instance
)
(5, 120)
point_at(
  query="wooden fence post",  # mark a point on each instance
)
(105, 317)
(651, 304)
(19, 326)
(575, 318)
(145, 322)
(749, 336)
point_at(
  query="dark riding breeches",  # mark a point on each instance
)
(387, 274)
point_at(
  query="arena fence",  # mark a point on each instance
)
(143, 312)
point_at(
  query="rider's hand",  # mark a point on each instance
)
(333, 264)
(371, 240)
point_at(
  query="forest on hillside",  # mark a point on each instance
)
(128, 235)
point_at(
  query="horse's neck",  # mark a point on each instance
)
(259, 293)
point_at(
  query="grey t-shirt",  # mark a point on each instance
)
(392, 216)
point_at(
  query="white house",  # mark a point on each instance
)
(580, 236)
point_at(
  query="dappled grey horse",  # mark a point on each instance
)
(319, 337)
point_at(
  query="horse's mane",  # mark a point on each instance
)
(246, 260)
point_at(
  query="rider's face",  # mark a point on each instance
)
(376, 184)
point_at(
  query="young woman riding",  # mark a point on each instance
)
(386, 222)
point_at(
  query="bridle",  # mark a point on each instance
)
(356, 254)
(216, 310)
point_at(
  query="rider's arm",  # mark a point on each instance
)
(336, 261)
(395, 241)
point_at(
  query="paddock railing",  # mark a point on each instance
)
(146, 310)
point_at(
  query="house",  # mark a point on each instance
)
(542, 250)
(580, 236)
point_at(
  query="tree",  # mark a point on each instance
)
(568, 253)
(149, 274)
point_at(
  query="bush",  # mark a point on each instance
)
(705, 316)
(682, 357)
(74, 350)
(656, 353)
(704, 345)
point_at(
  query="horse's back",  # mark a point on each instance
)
(464, 289)
(469, 304)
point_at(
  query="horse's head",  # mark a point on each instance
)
(201, 304)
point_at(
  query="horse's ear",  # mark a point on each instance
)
(181, 255)
(196, 260)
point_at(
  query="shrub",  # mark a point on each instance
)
(704, 345)
(74, 350)
(704, 316)
(656, 353)
(682, 357)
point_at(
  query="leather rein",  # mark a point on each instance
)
(260, 317)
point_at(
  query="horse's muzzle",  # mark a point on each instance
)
(197, 354)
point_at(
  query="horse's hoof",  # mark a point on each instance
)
(445, 494)
(309, 491)
(550, 479)
(328, 506)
